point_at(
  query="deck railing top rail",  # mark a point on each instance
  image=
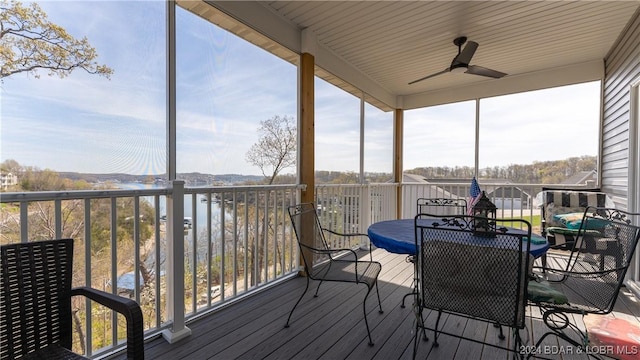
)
(8, 197)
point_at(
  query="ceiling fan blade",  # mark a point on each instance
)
(464, 57)
(483, 71)
(430, 76)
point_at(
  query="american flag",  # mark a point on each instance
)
(474, 195)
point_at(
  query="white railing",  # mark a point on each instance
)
(236, 241)
(351, 208)
(233, 242)
(378, 203)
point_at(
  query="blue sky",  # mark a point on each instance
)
(226, 86)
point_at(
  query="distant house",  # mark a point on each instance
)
(417, 186)
(432, 191)
(413, 178)
(7, 180)
(586, 178)
(510, 197)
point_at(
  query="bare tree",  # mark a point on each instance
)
(276, 148)
(29, 42)
(274, 152)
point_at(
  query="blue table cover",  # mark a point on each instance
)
(398, 236)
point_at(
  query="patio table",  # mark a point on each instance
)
(398, 236)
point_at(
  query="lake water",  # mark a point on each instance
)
(201, 207)
(201, 214)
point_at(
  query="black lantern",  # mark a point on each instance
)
(484, 212)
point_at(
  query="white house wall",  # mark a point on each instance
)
(622, 67)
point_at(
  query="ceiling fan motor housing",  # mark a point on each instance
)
(459, 41)
(460, 63)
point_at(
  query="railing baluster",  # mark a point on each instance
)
(235, 243)
(275, 234)
(283, 210)
(223, 247)
(265, 238)
(58, 218)
(208, 262)
(157, 257)
(136, 247)
(246, 270)
(114, 266)
(88, 276)
(194, 255)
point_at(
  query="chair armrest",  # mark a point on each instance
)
(127, 307)
(564, 274)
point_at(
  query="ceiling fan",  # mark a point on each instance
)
(461, 62)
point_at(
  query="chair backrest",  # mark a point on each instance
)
(462, 272)
(309, 234)
(35, 300)
(558, 202)
(442, 206)
(607, 242)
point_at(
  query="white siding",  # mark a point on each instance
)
(622, 66)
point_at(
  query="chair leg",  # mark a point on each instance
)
(317, 289)
(420, 327)
(411, 259)
(379, 303)
(416, 336)
(501, 336)
(517, 344)
(364, 309)
(405, 297)
(435, 330)
(297, 302)
(321, 276)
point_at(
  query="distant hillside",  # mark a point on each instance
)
(191, 179)
(539, 172)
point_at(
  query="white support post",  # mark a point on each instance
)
(365, 211)
(175, 264)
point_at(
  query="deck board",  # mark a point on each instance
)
(331, 326)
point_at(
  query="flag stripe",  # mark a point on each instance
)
(474, 195)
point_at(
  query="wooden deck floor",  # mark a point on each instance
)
(332, 326)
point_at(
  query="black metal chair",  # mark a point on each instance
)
(593, 275)
(476, 275)
(323, 263)
(35, 303)
(436, 206)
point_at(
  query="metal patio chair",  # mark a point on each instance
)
(436, 206)
(35, 303)
(593, 275)
(323, 263)
(478, 276)
(441, 206)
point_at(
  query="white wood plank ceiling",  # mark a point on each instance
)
(380, 46)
